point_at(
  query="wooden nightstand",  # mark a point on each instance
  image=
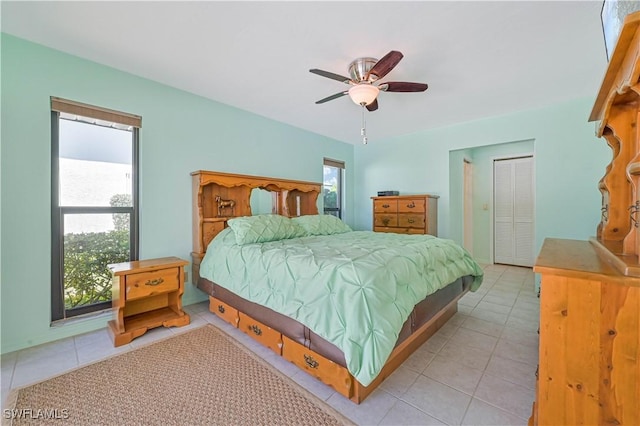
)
(146, 294)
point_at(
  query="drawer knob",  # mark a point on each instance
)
(385, 221)
(256, 330)
(221, 309)
(155, 282)
(386, 206)
(410, 220)
(311, 363)
(412, 205)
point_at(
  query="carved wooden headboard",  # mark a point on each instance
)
(218, 197)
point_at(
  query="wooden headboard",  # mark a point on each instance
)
(218, 197)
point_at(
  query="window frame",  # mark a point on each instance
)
(340, 165)
(58, 311)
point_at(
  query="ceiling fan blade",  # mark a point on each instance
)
(403, 86)
(386, 64)
(373, 106)
(332, 97)
(331, 75)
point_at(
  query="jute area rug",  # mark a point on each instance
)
(200, 377)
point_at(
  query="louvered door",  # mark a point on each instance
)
(513, 211)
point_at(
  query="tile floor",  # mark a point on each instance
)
(479, 369)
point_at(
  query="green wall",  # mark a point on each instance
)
(181, 132)
(569, 162)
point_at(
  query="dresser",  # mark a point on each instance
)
(146, 294)
(589, 353)
(406, 214)
(589, 366)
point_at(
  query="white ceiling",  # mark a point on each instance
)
(480, 59)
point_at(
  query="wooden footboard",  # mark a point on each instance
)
(327, 371)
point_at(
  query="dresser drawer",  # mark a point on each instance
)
(318, 366)
(411, 206)
(149, 283)
(224, 311)
(411, 221)
(260, 332)
(385, 220)
(385, 206)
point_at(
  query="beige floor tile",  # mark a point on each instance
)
(490, 316)
(400, 381)
(404, 414)
(482, 326)
(369, 412)
(466, 355)
(419, 360)
(517, 372)
(482, 414)
(517, 352)
(474, 339)
(29, 371)
(493, 307)
(440, 401)
(499, 298)
(508, 396)
(451, 373)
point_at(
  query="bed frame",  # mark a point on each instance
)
(218, 197)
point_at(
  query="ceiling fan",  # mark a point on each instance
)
(364, 73)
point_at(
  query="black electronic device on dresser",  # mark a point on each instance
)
(387, 193)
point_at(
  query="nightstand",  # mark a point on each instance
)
(146, 294)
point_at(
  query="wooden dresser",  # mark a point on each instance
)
(589, 370)
(589, 355)
(406, 214)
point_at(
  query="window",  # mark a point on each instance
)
(94, 203)
(332, 187)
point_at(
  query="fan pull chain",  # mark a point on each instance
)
(363, 130)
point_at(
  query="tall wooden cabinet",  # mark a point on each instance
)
(617, 108)
(589, 354)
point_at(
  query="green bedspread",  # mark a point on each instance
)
(355, 289)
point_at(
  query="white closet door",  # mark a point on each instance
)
(513, 211)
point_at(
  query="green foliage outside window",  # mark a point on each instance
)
(330, 198)
(87, 280)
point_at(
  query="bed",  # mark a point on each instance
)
(346, 306)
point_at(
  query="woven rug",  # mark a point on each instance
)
(200, 377)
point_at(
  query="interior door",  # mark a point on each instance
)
(468, 206)
(513, 211)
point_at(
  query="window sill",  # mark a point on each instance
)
(103, 314)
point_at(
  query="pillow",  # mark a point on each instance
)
(322, 224)
(263, 228)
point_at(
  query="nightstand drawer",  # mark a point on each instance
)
(148, 283)
(260, 332)
(385, 206)
(411, 206)
(411, 221)
(386, 220)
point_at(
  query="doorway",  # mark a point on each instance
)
(467, 240)
(513, 206)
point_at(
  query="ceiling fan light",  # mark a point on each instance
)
(363, 94)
